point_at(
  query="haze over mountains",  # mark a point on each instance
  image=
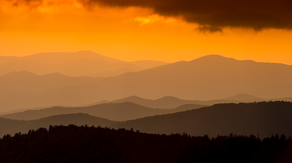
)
(206, 78)
(210, 77)
(113, 111)
(173, 102)
(83, 63)
(260, 119)
(26, 82)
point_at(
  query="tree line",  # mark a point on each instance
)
(105, 145)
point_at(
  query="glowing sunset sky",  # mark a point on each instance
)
(166, 30)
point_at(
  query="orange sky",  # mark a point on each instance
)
(129, 34)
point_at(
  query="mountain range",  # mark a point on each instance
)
(173, 102)
(82, 63)
(203, 79)
(209, 77)
(113, 111)
(262, 119)
(15, 126)
(24, 82)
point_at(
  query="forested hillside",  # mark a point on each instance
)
(89, 144)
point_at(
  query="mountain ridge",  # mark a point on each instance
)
(173, 102)
(25, 82)
(184, 80)
(15, 126)
(113, 111)
(81, 63)
(262, 119)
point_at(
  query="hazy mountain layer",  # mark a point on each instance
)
(7, 59)
(24, 82)
(173, 102)
(261, 119)
(71, 64)
(113, 111)
(209, 77)
(83, 63)
(14, 126)
(144, 64)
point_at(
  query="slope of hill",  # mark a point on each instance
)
(26, 82)
(105, 74)
(7, 125)
(15, 126)
(112, 111)
(103, 145)
(244, 98)
(7, 59)
(146, 64)
(263, 119)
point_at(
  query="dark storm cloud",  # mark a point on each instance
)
(211, 15)
(214, 15)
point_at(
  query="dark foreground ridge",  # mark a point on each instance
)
(90, 144)
(260, 118)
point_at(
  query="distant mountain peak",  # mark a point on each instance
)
(20, 74)
(131, 98)
(168, 98)
(213, 57)
(244, 97)
(90, 53)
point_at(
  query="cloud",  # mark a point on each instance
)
(214, 15)
(44, 6)
(210, 15)
(152, 19)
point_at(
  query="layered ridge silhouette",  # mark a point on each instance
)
(261, 119)
(23, 82)
(173, 102)
(205, 78)
(113, 111)
(82, 63)
(15, 126)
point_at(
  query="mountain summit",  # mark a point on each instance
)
(214, 57)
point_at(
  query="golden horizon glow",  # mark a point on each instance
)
(128, 34)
